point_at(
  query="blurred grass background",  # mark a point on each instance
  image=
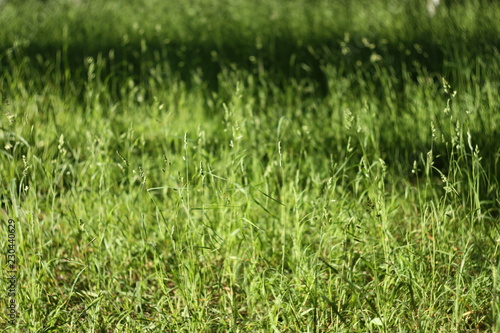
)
(284, 39)
(329, 47)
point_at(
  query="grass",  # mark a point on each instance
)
(251, 166)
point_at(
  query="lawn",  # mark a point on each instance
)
(249, 166)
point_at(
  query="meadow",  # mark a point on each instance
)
(250, 166)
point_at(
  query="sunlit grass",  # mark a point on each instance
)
(256, 199)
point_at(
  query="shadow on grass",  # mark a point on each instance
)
(151, 61)
(281, 60)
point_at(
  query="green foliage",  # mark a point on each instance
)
(251, 166)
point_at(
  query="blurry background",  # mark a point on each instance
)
(281, 40)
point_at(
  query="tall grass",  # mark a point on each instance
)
(178, 175)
